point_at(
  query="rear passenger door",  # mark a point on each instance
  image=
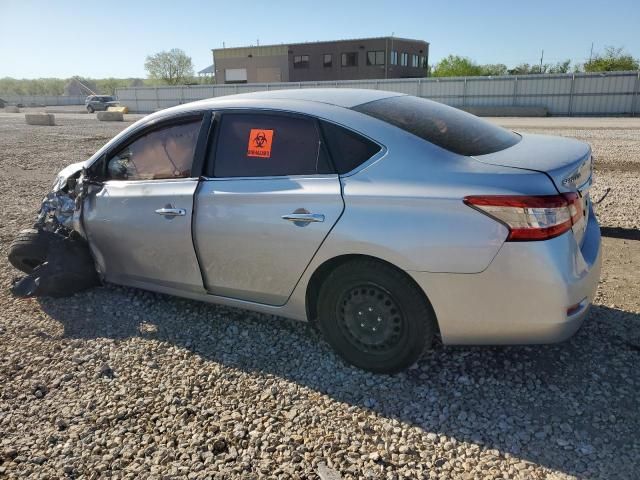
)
(268, 201)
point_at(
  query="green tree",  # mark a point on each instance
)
(456, 66)
(493, 69)
(172, 68)
(613, 60)
(526, 69)
(560, 67)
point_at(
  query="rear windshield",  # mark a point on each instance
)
(449, 128)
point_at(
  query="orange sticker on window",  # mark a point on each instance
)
(260, 143)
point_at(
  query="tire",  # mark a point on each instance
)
(374, 316)
(29, 249)
(90, 109)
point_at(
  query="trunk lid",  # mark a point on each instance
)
(565, 161)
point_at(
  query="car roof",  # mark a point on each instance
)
(329, 103)
(341, 97)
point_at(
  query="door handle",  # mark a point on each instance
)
(171, 212)
(304, 217)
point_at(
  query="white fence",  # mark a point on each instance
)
(615, 93)
(42, 100)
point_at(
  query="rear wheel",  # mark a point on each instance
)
(29, 249)
(90, 109)
(374, 316)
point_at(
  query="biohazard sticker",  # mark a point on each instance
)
(260, 143)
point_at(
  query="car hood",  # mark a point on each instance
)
(566, 161)
(66, 173)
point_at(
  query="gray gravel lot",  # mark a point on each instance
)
(121, 383)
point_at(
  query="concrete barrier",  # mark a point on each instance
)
(110, 116)
(48, 119)
(11, 109)
(507, 111)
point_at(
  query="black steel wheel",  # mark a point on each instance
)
(375, 316)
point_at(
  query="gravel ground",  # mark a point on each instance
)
(121, 383)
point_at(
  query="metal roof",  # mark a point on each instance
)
(341, 97)
(321, 41)
(209, 69)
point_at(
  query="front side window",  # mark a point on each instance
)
(160, 154)
(301, 61)
(404, 58)
(327, 60)
(349, 59)
(449, 128)
(264, 145)
(375, 57)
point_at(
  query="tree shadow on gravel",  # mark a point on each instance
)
(572, 407)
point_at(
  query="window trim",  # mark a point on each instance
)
(207, 173)
(199, 154)
(342, 65)
(210, 156)
(375, 58)
(302, 63)
(371, 160)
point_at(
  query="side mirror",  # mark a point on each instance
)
(118, 167)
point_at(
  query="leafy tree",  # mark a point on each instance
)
(613, 60)
(493, 69)
(456, 66)
(173, 67)
(526, 69)
(560, 67)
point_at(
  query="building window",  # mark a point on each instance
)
(404, 59)
(415, 61)
(301, 61)
(394, 57)
(375, 57)
(327, 60)
(235, 75)
(349, 59)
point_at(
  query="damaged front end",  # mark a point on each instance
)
(54, 253)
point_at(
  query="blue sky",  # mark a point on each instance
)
(65, 38)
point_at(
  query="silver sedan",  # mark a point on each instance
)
(383, 218)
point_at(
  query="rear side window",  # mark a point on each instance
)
(348, 150)
(449, 128)
(259, 145)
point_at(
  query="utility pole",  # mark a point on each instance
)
(541, 58)
(591, 53)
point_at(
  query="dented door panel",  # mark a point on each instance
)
(131, 242)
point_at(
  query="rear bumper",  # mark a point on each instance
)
(523, 297)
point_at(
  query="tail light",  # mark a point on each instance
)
(531, 217)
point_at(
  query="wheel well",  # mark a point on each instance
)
(323, 271)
